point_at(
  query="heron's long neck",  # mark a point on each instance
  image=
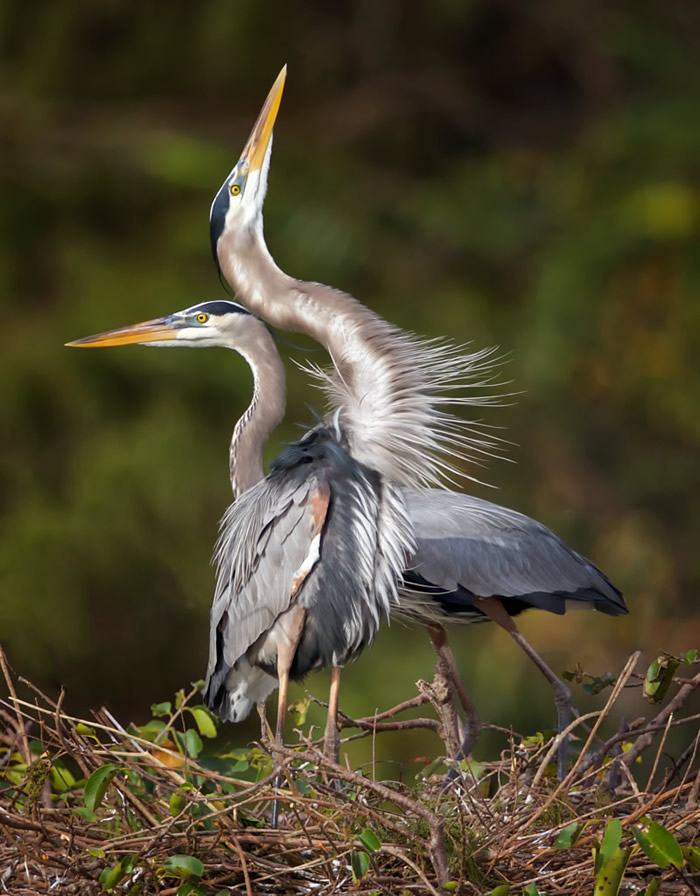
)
(263, 414)
(387, 384)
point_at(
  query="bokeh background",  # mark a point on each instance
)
(517, 174)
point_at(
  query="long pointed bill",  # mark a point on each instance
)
(256, 147)
(149, 331)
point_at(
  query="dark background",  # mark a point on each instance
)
(508, 173)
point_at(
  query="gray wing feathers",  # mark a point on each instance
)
(493, 551)
(272, 528)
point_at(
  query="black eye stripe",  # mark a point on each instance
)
(218, 307)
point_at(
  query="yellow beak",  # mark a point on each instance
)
(149, 331)
(256, 147)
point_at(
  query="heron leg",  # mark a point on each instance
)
(331, 740)
(289, 636)
(472, 722)
(495, 610)
(279, 734)
(562, 699)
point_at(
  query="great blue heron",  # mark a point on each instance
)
(309, 557)
(464, 546)
(388, 391)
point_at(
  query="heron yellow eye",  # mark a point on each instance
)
(202, 318)
(235, 189)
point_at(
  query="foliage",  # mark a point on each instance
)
(91, 806)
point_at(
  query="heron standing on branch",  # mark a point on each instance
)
(309, 557)
(389, 390)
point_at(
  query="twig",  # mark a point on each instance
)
(21, 731)
(643, 741)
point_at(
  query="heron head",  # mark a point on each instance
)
(238, 204)
(204, 325)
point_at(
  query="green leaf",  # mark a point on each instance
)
(450, 886)
(128, 863)
(692, 856)
(151, 730)
(568, 835)
(85, 814)
(369, 840)
(659, 678)
(191, 890)
(61, 779)
(110, 877)
(659, 845)
(183, 866)
(158, 710)
(84, 730)
(610, 873)
(193, 743)
(653, 888)
(531, 890)
(179, 698)
(359, 862)
(203, 720)
(690, 656)
(97, 785)
(500, 890)
(178, 802)
(611, 842)
(300, 709)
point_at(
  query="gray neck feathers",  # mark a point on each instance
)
(266, 408)
(390, 387)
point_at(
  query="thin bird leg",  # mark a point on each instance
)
(279, 733)
(472, 722)
(289, 637)
(562, 695)
(562, 700)
(331, 739)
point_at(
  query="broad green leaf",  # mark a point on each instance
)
(568, 835)
(150, 731)
(183, 866)
(203, 720)
(97, 785)
(531, 890)
(193, 743)
(659, 845)
(611, 872)
(359, 862)
(500, 890)
(158, 710)
(659, 678)
(110, 877)
(369, 840)
(450, 886)
(690, 656)
(61, 778)
(179, 698)
(611, 842)
(653, 888)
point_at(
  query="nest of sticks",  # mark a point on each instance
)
(88, 806)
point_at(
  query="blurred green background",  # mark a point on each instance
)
(517, 174)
